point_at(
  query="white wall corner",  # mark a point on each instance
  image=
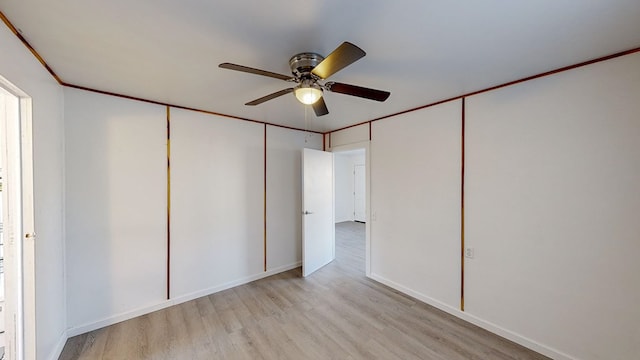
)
(57, 350)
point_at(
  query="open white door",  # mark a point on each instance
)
(318, 227)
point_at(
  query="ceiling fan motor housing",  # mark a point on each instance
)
(302, 64)
(309, 71)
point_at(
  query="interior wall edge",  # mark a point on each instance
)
(462, 244)
(512, 336)
(57, 350)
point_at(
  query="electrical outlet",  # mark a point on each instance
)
(468, 252)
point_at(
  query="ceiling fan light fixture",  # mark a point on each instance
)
(308, 95)
(308, 70)
(308, 92)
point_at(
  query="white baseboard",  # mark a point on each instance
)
(507, 334)
(57, 350)
(194, 295)
(81, 329)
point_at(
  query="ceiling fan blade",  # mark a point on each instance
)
(353, 90)
(345, 55)
(269, 97)
(250, 70)
(320, 108)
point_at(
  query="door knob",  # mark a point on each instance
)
(307, 212)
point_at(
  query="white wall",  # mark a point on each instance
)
(217, 201)
(348, 136)
(344, 183)
(19, 66)
(415, 202)
(284, 195)
(343, 172)
(552, 206)
(116, 206)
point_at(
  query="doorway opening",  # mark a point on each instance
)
(351, 177)
(17, 247)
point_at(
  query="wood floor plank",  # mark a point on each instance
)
(222, 348)
(336, 313)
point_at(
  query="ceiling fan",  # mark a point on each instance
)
(308, 70)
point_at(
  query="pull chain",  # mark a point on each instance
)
(306, 123)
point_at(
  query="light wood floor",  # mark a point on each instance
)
(336, 313)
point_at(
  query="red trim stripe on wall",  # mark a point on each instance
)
(168, 203)
(265, 198)
(462, 244)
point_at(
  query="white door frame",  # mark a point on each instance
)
(367, 152)
(18, 224)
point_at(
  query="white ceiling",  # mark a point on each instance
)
(420, 51)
